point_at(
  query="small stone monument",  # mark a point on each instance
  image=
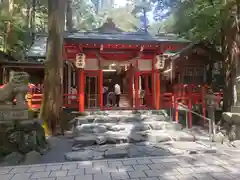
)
(15, 90)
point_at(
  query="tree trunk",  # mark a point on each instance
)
(69, 23)
(9, 27)
(231, 51)
(53, 79)
(28, 14)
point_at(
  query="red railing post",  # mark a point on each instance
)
(190, 105)
(203, 103)
(136, 86)
(100, 85)
(81, 90)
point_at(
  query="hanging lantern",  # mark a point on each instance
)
(80, 61)
(101, 47)
(160, 64)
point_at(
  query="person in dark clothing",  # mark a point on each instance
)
(105, 92)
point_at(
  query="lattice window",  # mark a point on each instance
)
(193, 75)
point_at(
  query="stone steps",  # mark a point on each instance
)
(117, 134)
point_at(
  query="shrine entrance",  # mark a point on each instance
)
(137, 87)
(111, 77)
(91, 91)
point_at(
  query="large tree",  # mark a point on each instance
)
(69, 16)
(53, 79)
(215, 21)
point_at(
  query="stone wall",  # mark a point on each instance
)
(21, 138)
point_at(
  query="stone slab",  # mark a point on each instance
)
(13, 114)
(5, 107)
(181, 167)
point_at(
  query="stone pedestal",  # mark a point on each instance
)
(19, 131)
(232, 123)
(11, 113)
(236, 120)
(23, 137)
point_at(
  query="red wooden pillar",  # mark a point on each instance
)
(158, 87)
(153, 83)
(100, 86)
(136, 86)
(130, 86)
(147, 91)
(81, 90)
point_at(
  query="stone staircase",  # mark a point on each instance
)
(122, 134)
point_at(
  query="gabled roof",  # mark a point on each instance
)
(108, 27)
(108, 33)
(207, 49)
(38, 49)
(123, 38)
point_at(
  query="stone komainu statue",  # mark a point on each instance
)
(16, 88)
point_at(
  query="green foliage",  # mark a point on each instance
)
(85, 16)
(164, 26)
(24, 24)
(130, 22)
(16, 26)
(140, 5)
(197, 20)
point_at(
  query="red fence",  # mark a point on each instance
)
(188, 95)
(69, 100)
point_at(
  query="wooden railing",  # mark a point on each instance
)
(69, 100)
(189, 96)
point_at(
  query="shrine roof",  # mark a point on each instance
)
(38, 49)
(107, 33)
(204, 48)
(120, 37)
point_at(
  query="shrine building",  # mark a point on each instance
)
(107, 56)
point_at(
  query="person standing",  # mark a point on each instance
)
(117, 91)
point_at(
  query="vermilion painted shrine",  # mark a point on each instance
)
(127, 58)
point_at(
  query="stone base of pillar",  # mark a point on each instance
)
(232, 120)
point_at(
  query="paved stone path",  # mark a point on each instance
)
(190, 167)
